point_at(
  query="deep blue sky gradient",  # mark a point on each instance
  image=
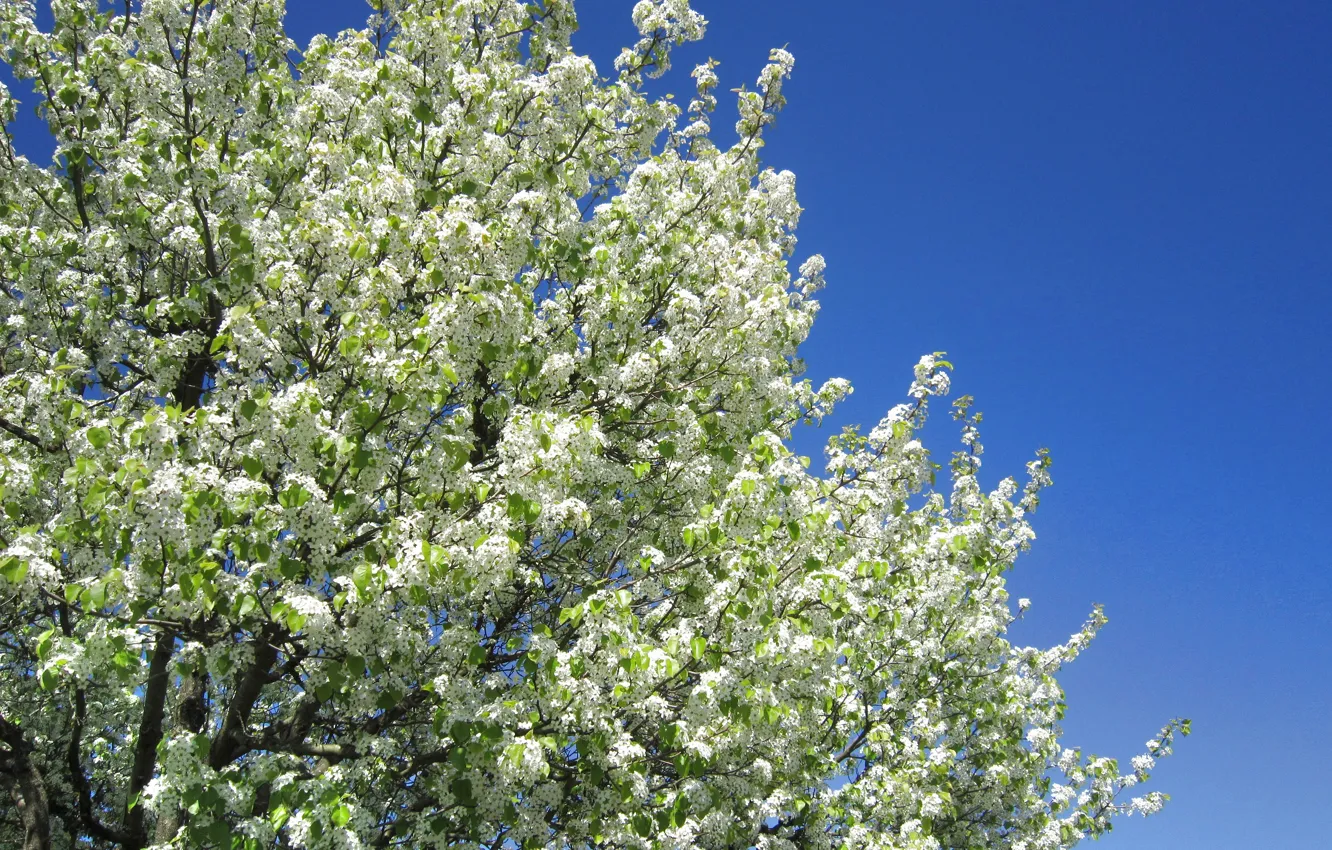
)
(1117, 220)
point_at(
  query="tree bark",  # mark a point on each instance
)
(150, 735)
(232, 740)
(191, 712)
(27, 787)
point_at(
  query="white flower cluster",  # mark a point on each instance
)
(397, 453)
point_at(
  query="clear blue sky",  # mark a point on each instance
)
(1117, 219)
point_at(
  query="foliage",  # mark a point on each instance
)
(394, 454)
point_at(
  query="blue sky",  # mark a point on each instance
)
(1117, 219)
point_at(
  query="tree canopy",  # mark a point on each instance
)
(395, 453)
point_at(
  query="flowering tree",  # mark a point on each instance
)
(394, 454)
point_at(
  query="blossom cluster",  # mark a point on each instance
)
(396, 452)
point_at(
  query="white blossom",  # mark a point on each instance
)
(395, 450)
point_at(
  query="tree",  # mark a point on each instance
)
(395, 454)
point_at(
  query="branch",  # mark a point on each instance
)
(332, 752)
(191, 714)
(358, 541)
(231, 741)
(150, 735)
(25, 435)
(74, 763)
(26, 787)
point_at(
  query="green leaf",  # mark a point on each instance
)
(388, 698)
(361, 577)
(219, 342)
(294, 496)
(349, 346)
(218, 834)
(279, 815)
(340, 815)
(462, 791)
(13, 569)
(680, 811)
(99, 437)
(642, 824)
(517, 507)
(44, 643)
(698, 645)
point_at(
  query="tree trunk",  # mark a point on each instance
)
(26, 787)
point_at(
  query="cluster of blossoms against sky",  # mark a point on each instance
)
(394, 454)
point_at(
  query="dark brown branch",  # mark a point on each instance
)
(358, 541)
(26, 786)
(77, 778)
(24, 434)
(191, 713)
(486, 434)
(199, 364)
(74, 755)
(150, 735)
(232, 741)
